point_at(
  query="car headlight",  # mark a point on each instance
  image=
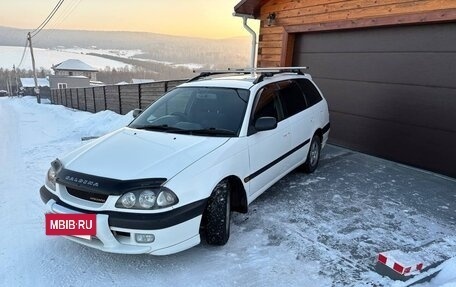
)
(147, 199)
(50, 178)
(51, 175)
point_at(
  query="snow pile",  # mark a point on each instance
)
(100, 123)
(446, 277)
(78, 124)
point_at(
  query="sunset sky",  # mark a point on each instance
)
(196, 18)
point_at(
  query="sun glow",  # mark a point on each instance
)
(193, 18)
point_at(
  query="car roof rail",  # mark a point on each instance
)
(261, 72)
(207, 73)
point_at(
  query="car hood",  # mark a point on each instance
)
(132, 154)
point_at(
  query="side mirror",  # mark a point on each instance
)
(265, 123)
(136, 113)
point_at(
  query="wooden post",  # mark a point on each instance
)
(37, 91)
(15, 77)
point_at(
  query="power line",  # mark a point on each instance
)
(48, 18)
(50, 15)
(23, 54)
(65, 12)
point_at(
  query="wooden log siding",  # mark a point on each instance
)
(295, 16)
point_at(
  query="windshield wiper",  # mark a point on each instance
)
(157, 128)
(207, 131)
(212, 131)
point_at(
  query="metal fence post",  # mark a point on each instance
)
(85, 100)
(77, 97)
(94, 102)
(139, 96)
(104, 95)
(71, 99)
(120, 99)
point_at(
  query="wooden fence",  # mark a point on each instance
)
(118, 98)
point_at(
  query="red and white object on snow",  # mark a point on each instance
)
(402, 263)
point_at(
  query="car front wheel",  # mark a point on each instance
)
(313, 157)
(218, 214)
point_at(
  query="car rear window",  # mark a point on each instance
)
(310, 92)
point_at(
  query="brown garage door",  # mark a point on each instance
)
(391, 91)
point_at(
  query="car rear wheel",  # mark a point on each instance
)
(313, 157)
(218, 214)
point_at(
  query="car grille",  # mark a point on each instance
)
(90, 196)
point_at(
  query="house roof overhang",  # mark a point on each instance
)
(249, 7)
(74, 65)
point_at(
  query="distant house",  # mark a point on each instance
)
(74, 67)
(28, 85)
(72, 73)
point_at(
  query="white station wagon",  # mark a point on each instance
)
(205, 149)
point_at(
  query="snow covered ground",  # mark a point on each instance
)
(323, 229)
(45, 58)
(127, 54)
(108, 52)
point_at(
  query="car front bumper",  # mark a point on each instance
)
(116, 234)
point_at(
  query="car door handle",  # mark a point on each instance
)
(286, 134)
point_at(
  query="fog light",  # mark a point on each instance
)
(144, 238)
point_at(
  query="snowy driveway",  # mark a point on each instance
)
(323, 229)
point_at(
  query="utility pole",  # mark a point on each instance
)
(37, 90)
(15, 77)
(7, 85)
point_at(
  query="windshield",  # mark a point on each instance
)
(196, 110)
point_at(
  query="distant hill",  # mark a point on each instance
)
(231, 52)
